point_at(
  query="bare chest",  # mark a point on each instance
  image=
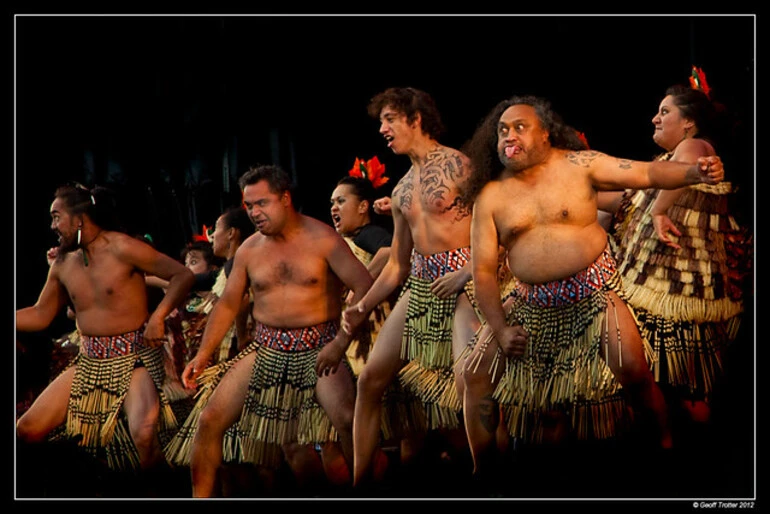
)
(428, 192)
(522, 207)
(283, 268)
(102, 282)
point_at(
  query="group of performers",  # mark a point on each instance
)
(498, 308)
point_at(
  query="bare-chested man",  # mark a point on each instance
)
(111, 395)
(535, 194)
(287, 387)
(434, 319)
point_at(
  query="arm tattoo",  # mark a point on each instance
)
(403, 191)
(624, 164)
(582, 158)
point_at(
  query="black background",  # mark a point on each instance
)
(148, 104)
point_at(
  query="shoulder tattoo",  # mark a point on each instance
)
(584, 158)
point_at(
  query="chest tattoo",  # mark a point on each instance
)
(439, 180)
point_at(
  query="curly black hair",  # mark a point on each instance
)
(409, 101)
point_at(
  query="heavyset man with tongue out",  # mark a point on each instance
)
(534, 186)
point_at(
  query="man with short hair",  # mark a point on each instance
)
(287, 390)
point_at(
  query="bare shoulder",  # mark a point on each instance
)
(580, 158)
(248, 250)
(119, 238)
(404, 183)
(314, 225)
(440, 153)
(452, 162)
(61, 264)
(455, 153)
(121, 242)
(693, 148)
(489, 194)
(251, 242)
(318, 231)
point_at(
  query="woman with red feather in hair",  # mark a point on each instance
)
(683, 258)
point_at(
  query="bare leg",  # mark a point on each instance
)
(410, 447)
(222, 410)
(304, 463)
(465, 325)
(48, 411)
(142, 407)
(380, 370)
(634, 374)
(240, 480)
(698, 411)
(336, 394)
(335, 467)
(480, 410)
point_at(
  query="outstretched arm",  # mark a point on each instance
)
(612, 174)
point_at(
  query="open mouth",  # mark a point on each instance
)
(336, 219)
(512, 150)
(389, 139)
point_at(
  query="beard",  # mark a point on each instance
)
(516, 163)
(67, 245)
(526, 159)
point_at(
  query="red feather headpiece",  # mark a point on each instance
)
(205, 235)
(583, 138)
(372, 170)
(698, 81)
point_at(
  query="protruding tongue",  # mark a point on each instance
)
(510, 150)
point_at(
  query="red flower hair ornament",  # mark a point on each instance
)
(698, 81)
(372, 170)
(206, 234)
(583, 138)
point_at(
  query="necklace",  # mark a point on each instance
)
(84, 247)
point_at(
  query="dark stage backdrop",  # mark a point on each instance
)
(170, 110)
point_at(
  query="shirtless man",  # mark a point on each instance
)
(434, 320)
(101, 271)
(538, 200)
(287, 387)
